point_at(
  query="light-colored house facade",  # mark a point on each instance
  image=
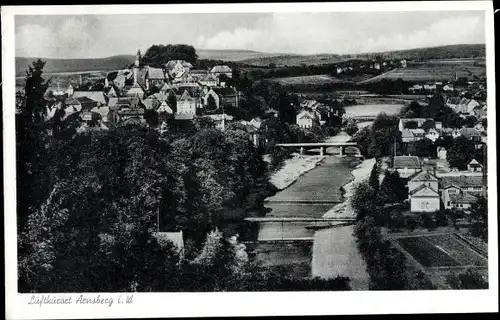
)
(307, 119)
(186, 104)
(424, 199)
(441, 153)
(218, 70)
(460, 192)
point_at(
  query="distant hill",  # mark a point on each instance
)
(122, 61)
(69, 65)
(459, 51)
(232, 55)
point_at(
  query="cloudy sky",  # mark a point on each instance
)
(95, 36)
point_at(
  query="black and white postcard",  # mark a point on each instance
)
(249, 159)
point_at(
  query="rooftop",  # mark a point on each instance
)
(409, 162)
(424, 191)
(461, 181)
(423, 176)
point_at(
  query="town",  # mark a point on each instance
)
(221, 160)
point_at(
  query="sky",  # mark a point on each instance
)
(98, 36)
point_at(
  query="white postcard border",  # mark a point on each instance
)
(243, 304)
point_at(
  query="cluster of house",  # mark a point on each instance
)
(429, 188)
(414, 129)
(467, 107)
(355, 64)
(309, 114)
(473, 89)
(177, 90)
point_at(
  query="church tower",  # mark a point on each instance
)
(136, 65)
(138, 59)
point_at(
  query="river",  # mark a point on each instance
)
(324, 252)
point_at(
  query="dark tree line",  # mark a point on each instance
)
(158, 55)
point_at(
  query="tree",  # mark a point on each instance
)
(444, 141)
(158, 55)
(152, 118)
(460, 153)
(466, 280)
(421, 148)
(32, 179)
(392, 188)
(172, 102)
(453, 120)
(373, 180)
(211, 104)
(470, 121)
(351, 128)
(428, 124)
(479, 217)
(411, 125)
(413, 110)
(364, 200)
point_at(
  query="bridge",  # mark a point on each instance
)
(363, 118)
(322, 146)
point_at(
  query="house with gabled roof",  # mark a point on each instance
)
(151, 103)
(218, 70)
(471, 134)
(155, 77)
(174, 67)
(208, 80)
(98, 96)
(420, 178)
(111, 92)
(105, 114)
(408, 136)
(136, 91)
(480, 113)
(164, 107)
(87, 103)
(424, 199)
(474, 166)
(130, 116)
(307, 119)
(460, 191)
(186, 104)
(466, 106)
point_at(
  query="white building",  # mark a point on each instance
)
(306, 119)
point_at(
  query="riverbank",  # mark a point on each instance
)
(292, 169)
(344, 209)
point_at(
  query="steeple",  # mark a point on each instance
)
(137, 58)
(136, 65)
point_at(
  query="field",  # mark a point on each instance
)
(366, 110)
(319, 79)
(295, 60)
(432, 71)
(441, 250)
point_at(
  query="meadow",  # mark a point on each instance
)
(318, 79)
(433, 71)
